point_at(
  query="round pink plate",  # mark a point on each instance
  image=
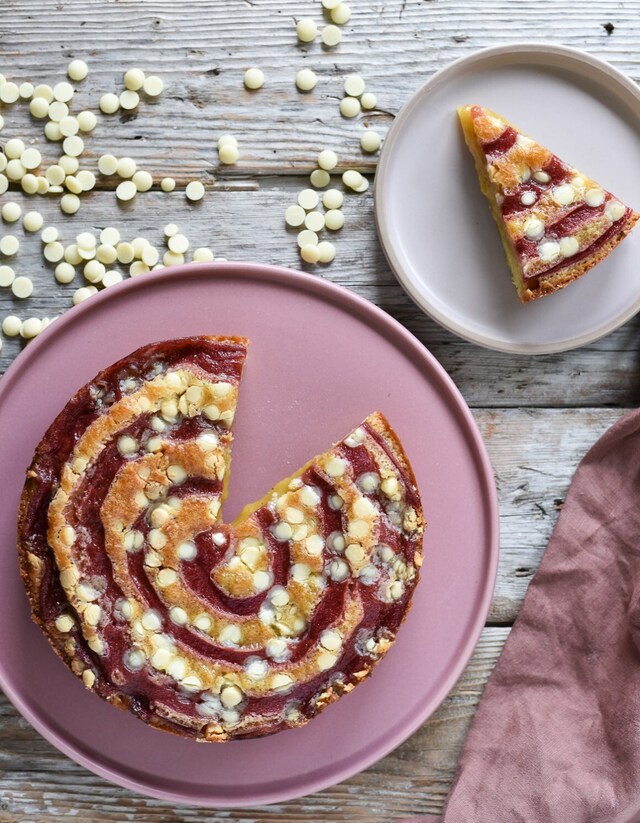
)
(320, 360)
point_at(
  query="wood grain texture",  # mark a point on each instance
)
(538, 415)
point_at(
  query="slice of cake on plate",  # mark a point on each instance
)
(555, 222)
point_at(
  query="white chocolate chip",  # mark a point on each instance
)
(306, 29)
(178, 615)
(534, 228)
(568, 246)
(326, 660)
(336, 467)
(314, 545)
(230, 635)
(127, 445)
(282, 531)
(541, 177)
(153, 85)
(134, 659)
(614, 210)
(253, 79)
(195, 189)
(300, 572)
(349, 107)
(331, 36)
(370, 141)
(64, 623)
(368, 100)
(276, 648)
(306, 80)
(528, 198)
(166, 577)
(262, 580)
(563, 195)
(549, 251)
(338, 570)
(187, 550)
(594, 197)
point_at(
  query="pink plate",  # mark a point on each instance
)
(320, 360)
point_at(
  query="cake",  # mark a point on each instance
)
(210, 630)
(555, 222)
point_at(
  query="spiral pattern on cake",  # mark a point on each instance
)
(211, 630)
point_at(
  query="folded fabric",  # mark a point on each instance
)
(556, 738)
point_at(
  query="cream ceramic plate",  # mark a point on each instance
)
(434, 223)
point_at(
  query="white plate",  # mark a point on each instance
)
(434, 222)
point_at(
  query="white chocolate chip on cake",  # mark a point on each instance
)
(563, 195)
(534, 228)
(614, 210)
(594, 197)
(549, 251)
(568, 246)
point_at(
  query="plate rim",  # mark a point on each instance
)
(532, 48)
(328, 291)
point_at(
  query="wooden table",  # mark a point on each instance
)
(538, 415)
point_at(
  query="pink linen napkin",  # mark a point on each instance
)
(556, 738)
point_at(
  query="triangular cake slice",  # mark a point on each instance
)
(555, 222)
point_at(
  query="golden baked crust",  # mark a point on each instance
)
(208, 630)
(555, 222)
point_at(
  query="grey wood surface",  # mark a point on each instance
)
(538, 415)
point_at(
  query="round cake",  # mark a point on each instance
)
(210, 630)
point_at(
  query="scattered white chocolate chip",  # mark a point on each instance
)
(306, 80)
(368, 100)
(350, 107)
(11, 325)
(319, 178)
(77, 70)
(314, 221)
(354, 85)
(307, 238)
(167, 184)
(142, 180)
(9, 245)
(370, 141)
(331, 36)
(7, 276)
(228, 154)
(109, 103)
(306, 30)
(195, 189)
(254, 79)
(294, 216)
(70, 203)
(133, 79)
(126, 190)
(33, 221)
(11, 212)
(310, 253)
(31, 327)
(22, 287)
(332, 199)
(153, 85)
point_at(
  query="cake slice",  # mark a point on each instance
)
(555, 222)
